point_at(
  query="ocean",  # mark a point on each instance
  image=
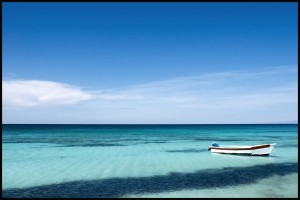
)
(122, 161)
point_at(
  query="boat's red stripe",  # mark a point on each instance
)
(251, 148)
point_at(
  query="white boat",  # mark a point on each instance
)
(256, 150)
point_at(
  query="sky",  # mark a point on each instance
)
(147, 63)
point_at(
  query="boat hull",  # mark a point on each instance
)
(257, 150)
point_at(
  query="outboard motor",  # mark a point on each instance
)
(214, 144)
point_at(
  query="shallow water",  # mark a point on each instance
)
(146, 160)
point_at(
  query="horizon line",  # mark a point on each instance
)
(161, 124)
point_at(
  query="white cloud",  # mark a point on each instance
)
(28, 93)
(265, 95)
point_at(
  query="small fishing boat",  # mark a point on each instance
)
(256, 150)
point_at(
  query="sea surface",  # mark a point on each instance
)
(146, 161)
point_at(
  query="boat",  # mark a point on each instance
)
(256, 150)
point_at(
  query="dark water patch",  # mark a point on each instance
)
(290, 131)
(132, 139)
(281, 137)
(19, 142)
(70, 144)
(149, 142)
(62, 157)
(77, 143)
(159, 140)
(93, 145)
(275, 137)
(228, 139)
(234, 140)
(118, 187)
(68, 141)
(188, 151)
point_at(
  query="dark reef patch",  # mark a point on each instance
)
(118, 187)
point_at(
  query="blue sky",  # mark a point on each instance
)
(150, 62)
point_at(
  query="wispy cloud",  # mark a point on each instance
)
(267, 95)
(227, 89)
(28, 93)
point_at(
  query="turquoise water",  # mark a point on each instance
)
(146, 161)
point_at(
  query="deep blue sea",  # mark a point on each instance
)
(146, 161)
